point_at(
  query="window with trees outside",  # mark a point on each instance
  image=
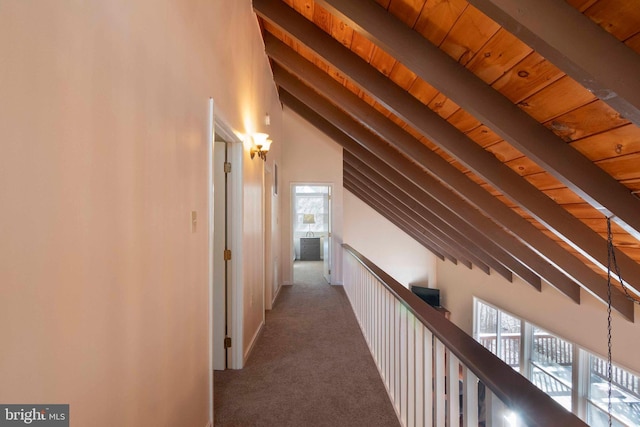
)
(572, 376)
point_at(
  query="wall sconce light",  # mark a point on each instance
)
(261, 145)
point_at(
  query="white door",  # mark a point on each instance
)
(220, 272)
(326, 250)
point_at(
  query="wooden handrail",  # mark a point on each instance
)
(533, 406)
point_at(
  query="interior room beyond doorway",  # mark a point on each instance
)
(311, 233)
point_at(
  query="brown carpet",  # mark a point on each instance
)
(310, 367)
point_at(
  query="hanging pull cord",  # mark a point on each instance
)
(610, 260)
(612, 263)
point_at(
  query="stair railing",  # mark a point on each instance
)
(421, 356)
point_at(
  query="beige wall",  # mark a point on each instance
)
(584, 324)
(103, 126)
(386, 245)
(309, 157)
(244, 94)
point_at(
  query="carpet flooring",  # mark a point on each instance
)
(310, 366)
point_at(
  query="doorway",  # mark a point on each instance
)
(226, 303)
(311, 233)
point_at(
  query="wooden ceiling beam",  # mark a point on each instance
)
(575, 44)
(419, 227)
(539, 205)
(514, 125)
(397, 197)
(396, 200)
(381, 209)
(371, 149)
(353, 136)
(419, 199)
(458, 181)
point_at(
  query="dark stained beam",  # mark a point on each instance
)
(378, 207)
(441, 169)
(573, 231)
(514, 125)
(420, 201)
(371, 150)
(395, 201)
(348, 133)
(575, 44)
(387, 191)
(419, 228)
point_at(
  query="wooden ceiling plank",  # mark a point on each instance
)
(514, 125)
(463, 121)
(468, 35)
(484, 136)
(443, 106)
(634, 43)
(436, 235)
(480, 161)
(532, 74)
(402, 76)
(561, 96)
(332, 120)
(595, 117)
(581, 5)
(382, 61)
(614, 143)
(438, 17)
(341, 32)
(578, 46)
(622, 167)
(397, 190)
(422, 240)
(618, 17)
(407, 11)
(499, 55)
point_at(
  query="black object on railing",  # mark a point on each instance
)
(534, 407)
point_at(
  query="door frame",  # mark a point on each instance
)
(292, 208)
(234, 210)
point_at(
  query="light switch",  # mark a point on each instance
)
(194, 221)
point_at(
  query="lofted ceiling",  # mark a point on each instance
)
(500, 134)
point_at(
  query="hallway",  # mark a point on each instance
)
(310, 367)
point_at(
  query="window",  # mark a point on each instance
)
(625, 395)
(311, 200)
(551, 366)
(499, 332)
(550, 363)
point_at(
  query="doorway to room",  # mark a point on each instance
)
(311, 233)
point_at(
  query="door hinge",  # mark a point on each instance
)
(329, 234)
(227, 167)
(227, 342)
(227, 254)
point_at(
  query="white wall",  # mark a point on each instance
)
(309, 157)
(104, 134)
(584, 324)
(386, 245)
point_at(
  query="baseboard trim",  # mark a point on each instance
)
(275, 297)
(253, 343)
